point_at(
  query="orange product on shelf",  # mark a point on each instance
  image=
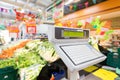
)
(52, 78)
(9, 52)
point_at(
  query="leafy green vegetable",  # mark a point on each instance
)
(34, 52)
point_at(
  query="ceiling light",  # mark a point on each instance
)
(22, 11)
(39, 10)
(68, 2)
(76, 1)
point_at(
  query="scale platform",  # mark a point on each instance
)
(72, 46)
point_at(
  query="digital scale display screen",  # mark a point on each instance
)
(67, 33)
(70, 33)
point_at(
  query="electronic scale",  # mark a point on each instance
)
(73, 48)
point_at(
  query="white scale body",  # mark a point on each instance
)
(73, 49)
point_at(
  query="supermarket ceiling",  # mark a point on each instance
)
(27, 4)
(34, 6)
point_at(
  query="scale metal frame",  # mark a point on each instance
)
(63, 45)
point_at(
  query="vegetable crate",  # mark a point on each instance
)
(113, 59)
(8, 73)
(60, 75)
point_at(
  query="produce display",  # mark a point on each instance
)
(34, 52)
(9, 52)
(31, 72)
(47, 51)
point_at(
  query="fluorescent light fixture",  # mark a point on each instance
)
(22, 11)
(76, 1)
(68, 2)
(7, 5)
(39, 10)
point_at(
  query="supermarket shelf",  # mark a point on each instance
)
(115, 40)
